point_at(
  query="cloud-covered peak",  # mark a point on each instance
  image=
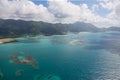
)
(62, 11)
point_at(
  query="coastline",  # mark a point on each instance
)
(7, 40)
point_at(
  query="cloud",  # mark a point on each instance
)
(117, 11)
(95, 8)
(24, 9)
(62, 11)
(114, 7)
(67, 12)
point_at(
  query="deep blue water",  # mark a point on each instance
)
(83, 56)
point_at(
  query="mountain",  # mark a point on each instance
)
(16, 28)
(113, 28)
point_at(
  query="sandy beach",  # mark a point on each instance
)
(7, 40)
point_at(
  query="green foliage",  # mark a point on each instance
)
(16, 28)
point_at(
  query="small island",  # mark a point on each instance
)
(7, 40)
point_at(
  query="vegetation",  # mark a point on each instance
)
(16, 28)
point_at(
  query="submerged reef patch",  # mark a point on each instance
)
(19, 72)
(20, 58)
(1, 75)
(46, 77)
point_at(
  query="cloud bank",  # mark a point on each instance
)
(62, 11)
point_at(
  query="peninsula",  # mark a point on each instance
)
(7, 40)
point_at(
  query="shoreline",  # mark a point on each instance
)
(7, 40)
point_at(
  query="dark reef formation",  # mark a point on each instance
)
(20, 59)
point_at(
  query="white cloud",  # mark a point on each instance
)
(114, 7)
(62, 11)
(24, 9)
(95, 8)
(67, 12)
(117, 11)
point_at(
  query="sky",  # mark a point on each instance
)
(101, 13)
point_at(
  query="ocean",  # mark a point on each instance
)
(82, 56)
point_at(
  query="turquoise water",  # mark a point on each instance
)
(83, 56)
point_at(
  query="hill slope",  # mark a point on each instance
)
(15, 28)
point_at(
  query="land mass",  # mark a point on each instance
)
(7, 40)
(17, 28)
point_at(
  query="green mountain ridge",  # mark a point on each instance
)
(17, 28)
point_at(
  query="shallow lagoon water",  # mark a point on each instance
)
(96, 58)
